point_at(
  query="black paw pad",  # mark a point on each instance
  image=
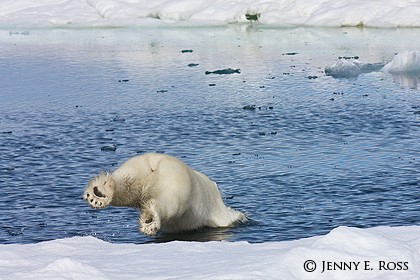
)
(97, 192)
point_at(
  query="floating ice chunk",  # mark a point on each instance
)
(110, 148)
(405, 69)
(227, 71)
(345, 68)
(119, 118)
(405, 62)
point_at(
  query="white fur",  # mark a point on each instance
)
(171, 196)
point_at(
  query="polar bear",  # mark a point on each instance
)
(171, 196)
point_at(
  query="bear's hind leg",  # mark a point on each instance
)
(149, 220)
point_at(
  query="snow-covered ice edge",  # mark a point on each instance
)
(53, 13)
(344, 253)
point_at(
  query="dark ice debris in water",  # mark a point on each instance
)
(13, 231)
(312, 77)
(252, 17)
(162, 91)
(193, 64)
(118, 119)
(187, 51)
(348, 57)
(227, 71)
(254, 107)
(110, 148)
(290, 53)
(24, 33)
(123, 80)
(250, 107)
(212, 85)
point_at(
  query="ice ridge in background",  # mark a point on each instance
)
(382, 13)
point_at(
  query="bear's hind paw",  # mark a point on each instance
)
(149, 226)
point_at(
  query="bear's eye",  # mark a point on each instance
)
(148, 221)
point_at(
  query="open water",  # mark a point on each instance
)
(300, 151)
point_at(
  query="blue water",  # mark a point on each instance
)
(315, 153)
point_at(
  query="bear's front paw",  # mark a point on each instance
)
(95, 198)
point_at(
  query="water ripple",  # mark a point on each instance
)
(298, 162)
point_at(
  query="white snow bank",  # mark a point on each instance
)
(405, 62)
(344, 253)
(378, 13)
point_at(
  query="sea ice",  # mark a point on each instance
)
(351, 68)
(404, 62)
(374, 253)
(381, 13)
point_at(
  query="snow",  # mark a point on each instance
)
(374, 253)
(52, 13)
